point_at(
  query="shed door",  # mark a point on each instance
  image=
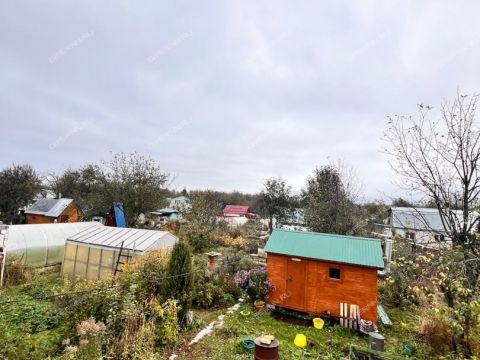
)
(295, 283)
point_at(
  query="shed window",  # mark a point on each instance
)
(334, 273)
(410, 235)
(440, 238)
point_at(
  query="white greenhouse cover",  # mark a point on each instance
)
(133, 239)
(42, 244)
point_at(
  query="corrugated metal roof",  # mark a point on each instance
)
(133, 239)
(235, 210)
(329, 247)
(49, 207)
(164, 211)
(422, 218)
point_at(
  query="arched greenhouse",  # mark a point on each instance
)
(41, 244)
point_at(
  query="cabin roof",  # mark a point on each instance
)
(236, 210)
(49, 207)
(329, 247)
(164, 211)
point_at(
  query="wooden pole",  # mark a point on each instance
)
(341, 314)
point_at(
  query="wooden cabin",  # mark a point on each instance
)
(47, 211)
(315, 273)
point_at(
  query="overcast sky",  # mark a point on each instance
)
(226, 93)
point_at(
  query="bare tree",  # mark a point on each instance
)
(438, 159)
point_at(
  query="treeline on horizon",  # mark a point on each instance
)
(140, 183)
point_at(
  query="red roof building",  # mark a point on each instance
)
(235, 211)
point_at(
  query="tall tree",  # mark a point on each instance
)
(439, 159)
(276, 200)
(86, 186)
(19, 185)
(204, 208)
(328, 203)
(136, 181)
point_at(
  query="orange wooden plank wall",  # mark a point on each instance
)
(317, 293)
(70, 214)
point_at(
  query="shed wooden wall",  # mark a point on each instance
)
(317, 293)
(70, 214)
(37, 219)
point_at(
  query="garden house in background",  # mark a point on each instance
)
(315, 272)
(166, 214)
(421, 227)
(237, 215)
(96, 252)
(47, 211)
(180, 203)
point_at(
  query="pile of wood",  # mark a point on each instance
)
(352, 320)
(350, 317)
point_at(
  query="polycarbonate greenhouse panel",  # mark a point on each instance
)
(93, 253)
(42, 244)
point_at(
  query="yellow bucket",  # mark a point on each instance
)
(300, 340)
(318, 323)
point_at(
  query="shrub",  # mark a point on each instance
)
(211, 290)
(180, 284)
(144, 328)
(436, 329)
(172, 227)
(208, 294)
(136, 345)
(255, 283)
(199, 237)
(236, 261)
(147, 273)
(228, 285)
(408, 281)
(17, 272)
(90, 299)
(229, 241)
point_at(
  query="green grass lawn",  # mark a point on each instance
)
(32, 329)
(332, 342)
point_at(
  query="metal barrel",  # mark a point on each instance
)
(266, 352)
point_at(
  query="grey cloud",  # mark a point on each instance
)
(223, 94)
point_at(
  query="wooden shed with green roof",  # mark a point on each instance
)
(315, 273)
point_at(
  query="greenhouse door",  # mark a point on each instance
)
(295, 283)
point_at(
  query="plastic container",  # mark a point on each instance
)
(248, 344)
(300, 340)
(318, 323)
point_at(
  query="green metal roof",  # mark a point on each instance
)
(329, 247)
